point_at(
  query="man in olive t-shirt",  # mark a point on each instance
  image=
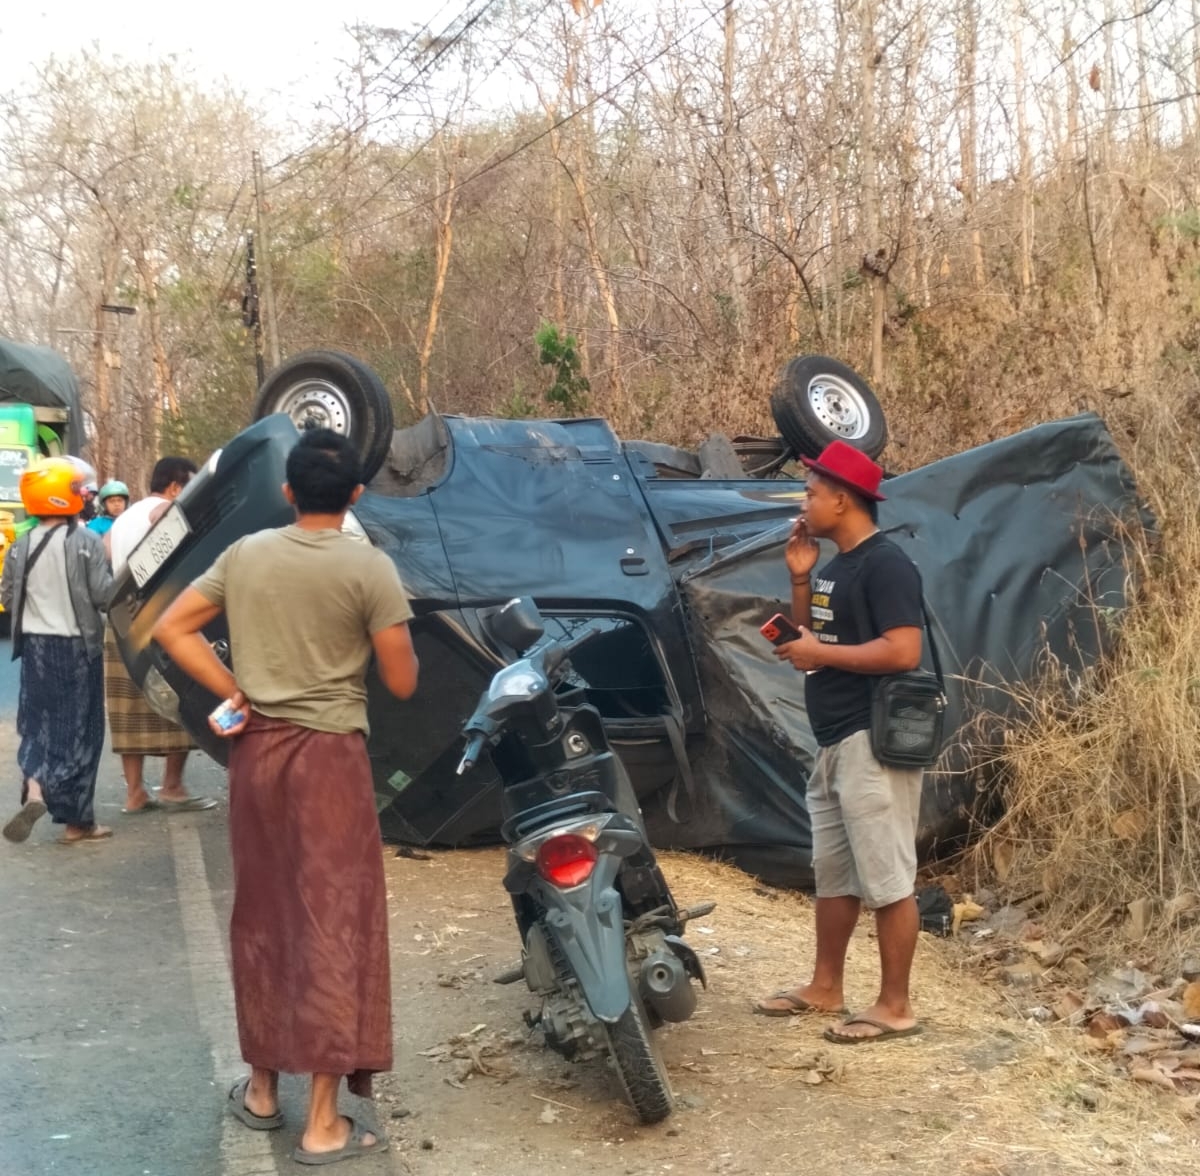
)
(301, 606)
(307, 607)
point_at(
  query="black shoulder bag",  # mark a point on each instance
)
(908, 710)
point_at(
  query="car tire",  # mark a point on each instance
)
(332, 390)
(819, 400)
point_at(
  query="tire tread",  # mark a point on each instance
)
(638, 1065)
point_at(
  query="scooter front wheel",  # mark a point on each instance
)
(639, 1063)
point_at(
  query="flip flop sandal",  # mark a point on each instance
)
(99, 833)
(193, 804)
(239, 1110)
(353, 1147)
(886, 1032)
(797, 1006)
(151, 806)
(19, 828)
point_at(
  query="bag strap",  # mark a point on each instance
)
(18, 633)
(34, 555)
(858, 593)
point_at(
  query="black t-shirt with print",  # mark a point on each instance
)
(876, 573)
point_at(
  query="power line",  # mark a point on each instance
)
(503, 159)
(446, 43)
(399, 53)
(393, 176)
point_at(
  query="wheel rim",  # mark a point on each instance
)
(839, 407)
(316, 404)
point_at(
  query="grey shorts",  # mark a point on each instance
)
(864, 822)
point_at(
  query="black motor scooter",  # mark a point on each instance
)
(600, 932)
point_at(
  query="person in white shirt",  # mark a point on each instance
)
(137, 731)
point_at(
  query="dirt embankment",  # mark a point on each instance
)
(984, 1090)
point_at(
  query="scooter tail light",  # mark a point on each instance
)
(566, 860)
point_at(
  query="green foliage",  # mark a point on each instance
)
(187, 196)
(219, 404)
(1186, 223)
(560, 353)
(516, 406)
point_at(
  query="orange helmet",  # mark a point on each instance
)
(53, 486)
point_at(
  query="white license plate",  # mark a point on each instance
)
(154, 551)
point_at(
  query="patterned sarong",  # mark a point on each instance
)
(135, 728)
(309, 931)
(60, 719)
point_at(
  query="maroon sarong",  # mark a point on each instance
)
(309, 927)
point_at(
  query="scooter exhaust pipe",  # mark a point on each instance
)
(666, 988)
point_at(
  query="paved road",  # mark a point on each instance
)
(116, 1033)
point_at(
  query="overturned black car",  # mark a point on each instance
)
(661, 575)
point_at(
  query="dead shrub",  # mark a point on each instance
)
(1102, 773)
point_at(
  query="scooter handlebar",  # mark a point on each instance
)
(472, 752)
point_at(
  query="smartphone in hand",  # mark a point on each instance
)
(779, 630)
(227, 719)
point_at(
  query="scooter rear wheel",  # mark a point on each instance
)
(639, 1063)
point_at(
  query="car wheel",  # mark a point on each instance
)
(332, 390)
(819, 400)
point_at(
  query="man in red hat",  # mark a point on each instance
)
(859, 617)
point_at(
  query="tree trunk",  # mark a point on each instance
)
(736, 271)
(908, 235)
(1073, 145)
(968, 137)
(1146, 120)
(1196, 66)
(1108, 91)
(1024, 162)
(875, 255)
(578, 175)
(166, 399)
(443, 243)
(558, 245)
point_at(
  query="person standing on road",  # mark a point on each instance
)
(864, 814)
(307, 606)
(137, 730)
(55, 582)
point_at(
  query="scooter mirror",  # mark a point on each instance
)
(517, 624)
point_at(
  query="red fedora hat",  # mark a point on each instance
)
(843, 463)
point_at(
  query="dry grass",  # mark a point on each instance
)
(1103, 774)
(983, 1090)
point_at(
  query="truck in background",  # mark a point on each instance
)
(40, 416)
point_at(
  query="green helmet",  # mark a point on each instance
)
(114, 490)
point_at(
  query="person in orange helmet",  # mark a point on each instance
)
(55, 581)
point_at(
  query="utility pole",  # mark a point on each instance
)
(272, 326)
(251, 319)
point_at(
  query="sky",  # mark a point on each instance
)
(267, 49)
